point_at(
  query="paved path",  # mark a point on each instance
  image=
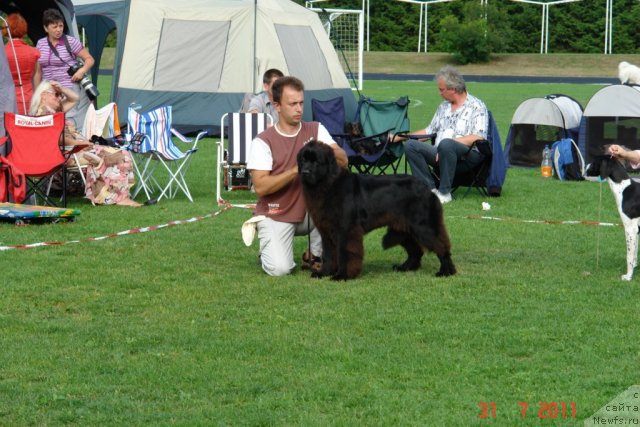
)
(474, 78)
(497, 79)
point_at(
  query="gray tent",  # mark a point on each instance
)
(612, 116)
(538, 122)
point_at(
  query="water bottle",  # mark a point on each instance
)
(546, 168)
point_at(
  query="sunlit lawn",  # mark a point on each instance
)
(178, 325)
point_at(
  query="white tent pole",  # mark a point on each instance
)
(368, 23)
(610, 25)
(255, 40)
(542, 32)
(360, 55)
(606, 26)
(420, 28)
(426, 19)
(546, 36)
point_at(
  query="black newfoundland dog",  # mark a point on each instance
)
(345, 206)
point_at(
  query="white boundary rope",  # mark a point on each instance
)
(540, 221)
(120, 233)
(228, 206)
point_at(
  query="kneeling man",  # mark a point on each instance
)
(272, 161)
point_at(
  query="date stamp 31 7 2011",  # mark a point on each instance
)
(540, 410)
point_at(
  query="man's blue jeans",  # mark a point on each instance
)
(453, 157)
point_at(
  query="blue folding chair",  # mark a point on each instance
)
(154, 152)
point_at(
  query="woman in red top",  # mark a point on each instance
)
(27, 61)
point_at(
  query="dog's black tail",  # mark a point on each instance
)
(435, 212)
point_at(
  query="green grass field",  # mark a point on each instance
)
(179, 326)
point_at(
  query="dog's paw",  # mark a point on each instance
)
(447, 267)
(444, 272)
(626, 277)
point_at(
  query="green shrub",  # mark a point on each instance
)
(466, 41)
(482, 31)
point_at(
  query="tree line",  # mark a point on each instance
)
(503, 26)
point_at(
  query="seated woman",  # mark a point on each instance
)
(109, 170)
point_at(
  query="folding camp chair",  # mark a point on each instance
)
(331, 114)
(155, 154)
(237, 132)
(101, 123)
(374, 152)
(368, 151)
(33, 147)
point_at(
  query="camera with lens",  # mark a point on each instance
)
(90, 89)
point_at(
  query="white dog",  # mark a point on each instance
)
(628, 73)
(627, 195)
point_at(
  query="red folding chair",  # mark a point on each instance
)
(34, 148)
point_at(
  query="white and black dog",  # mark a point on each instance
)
(627, 195)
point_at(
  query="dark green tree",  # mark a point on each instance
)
(512, 27)
(480, 32)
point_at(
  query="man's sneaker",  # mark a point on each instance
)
(444, 198)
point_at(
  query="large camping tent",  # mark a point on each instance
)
(203, 56)
(612, 116)
(538, 122)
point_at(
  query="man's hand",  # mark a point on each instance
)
(341, 156)
(264, 183)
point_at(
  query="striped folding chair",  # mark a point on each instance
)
(159, 164)
(237, 130)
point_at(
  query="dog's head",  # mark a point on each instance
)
(605, 166)
(368, 146)
(317, 164)
(353, 129)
